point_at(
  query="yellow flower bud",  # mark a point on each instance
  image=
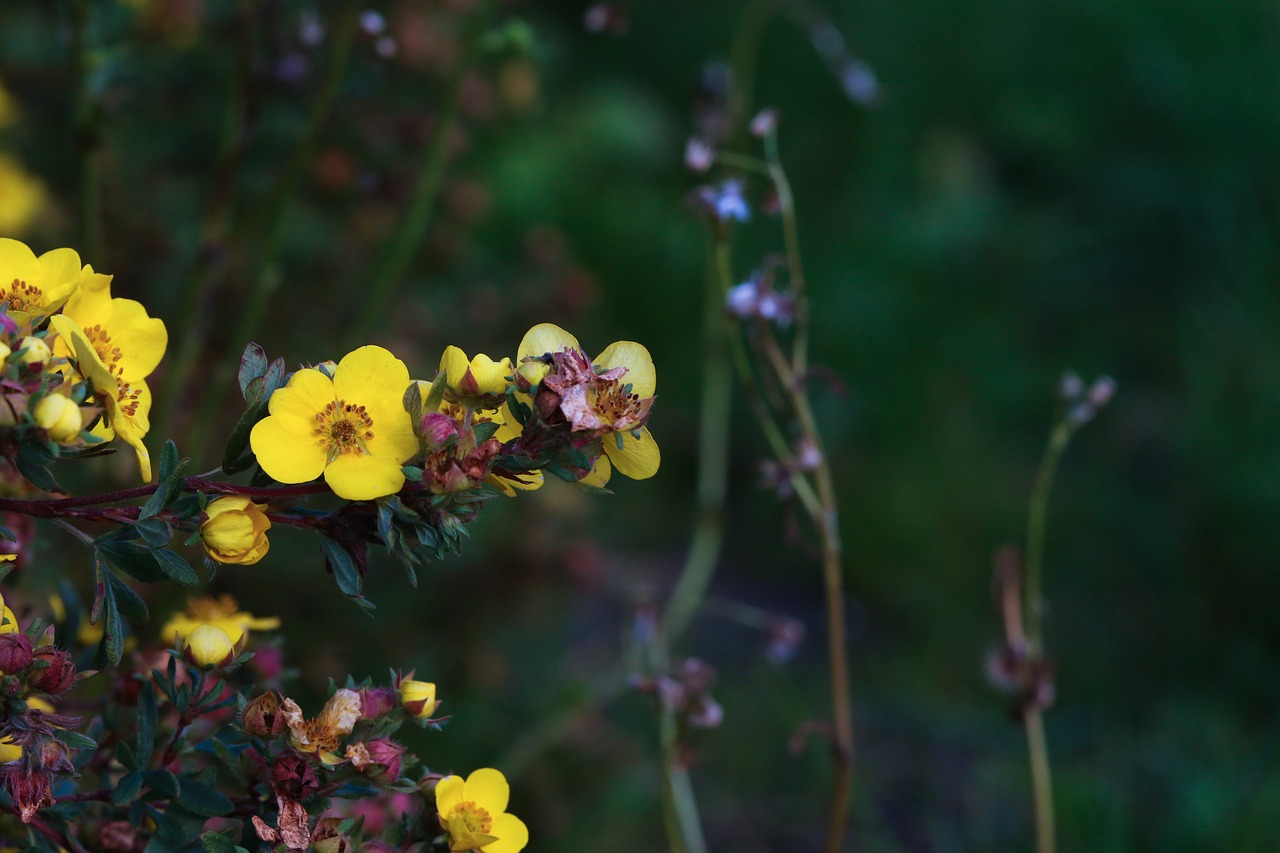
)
(481, 379)
(208, 645)
(37, 351)
(418, 697)
(4, 351)
(59, 417)
(235, 530)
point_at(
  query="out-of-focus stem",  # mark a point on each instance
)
(87, 119)
(1041, 779)
(269, 222)
(212, 253)
(828, 524)
(1033, 609)
(795, 265)
(680, 811)
(1036, 516)
(713, 458)
(406, 242)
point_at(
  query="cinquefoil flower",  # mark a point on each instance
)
(352, 428)
(235, 530)
(222, 612)
(608, 396)
(474, 813)
(23, 194)
(128, 403)
(36, 287)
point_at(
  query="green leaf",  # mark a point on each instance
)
(112, 627)
(484, 431)
(154, 531)
(133, 559)
(163, 782)
(175, 566)
(147, 716)
(127, 789)
(412, 402)
(217, 842)
(253, 364)
(343, 567)
(202, 799)
(129, 602)
(73, 739)
(436, 394)
(170, 462)
(33, 463)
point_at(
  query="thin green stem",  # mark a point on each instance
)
(713, 459)
(1036, 517)
(680, 806)
(408, 240)
(212, 254)
(744, 55)
(269, 222)
(1041, 779)
(795, 265)
(87, 120)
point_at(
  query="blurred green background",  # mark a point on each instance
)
(1086, 185)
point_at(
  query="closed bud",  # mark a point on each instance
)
(262, 717)
(15, 653)
(377, 759)
(235, 530)
(58, 674)
(13, 405)
(4, 351)
(59, 417)
(418, 697)
(35, 350)
(376, 702)
(437, 429)
(209, 646)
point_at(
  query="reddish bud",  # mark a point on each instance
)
(437, 428)
(377, 702)
(58, 674)
(262, 717)
(15, 653)
(293, 777)
(377, 758)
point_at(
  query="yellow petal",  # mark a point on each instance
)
(363, 478)
(16, 261)
(144, 338)
(304, 396)
(368, 374)
(488, 789)
(287, 453)
(639, 457)
(600, 474)
(639, 364)
(448, 795)
(544, 338)
(511, 832)
(454, 362)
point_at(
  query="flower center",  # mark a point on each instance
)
(343, 427)
(616, 405)
(110, 355)
(474, 818)
(22, 296)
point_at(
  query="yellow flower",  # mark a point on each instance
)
(209, 646)
(418, 697)
(58, 416)
(221, 612)
(235, 530)
(23, 193)
(474, 813)
(128, 403)
(9, 751)
(34, 350)
(36, 287)
(352, 428)
(128, 341)
(480, 382)
(610, 405)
